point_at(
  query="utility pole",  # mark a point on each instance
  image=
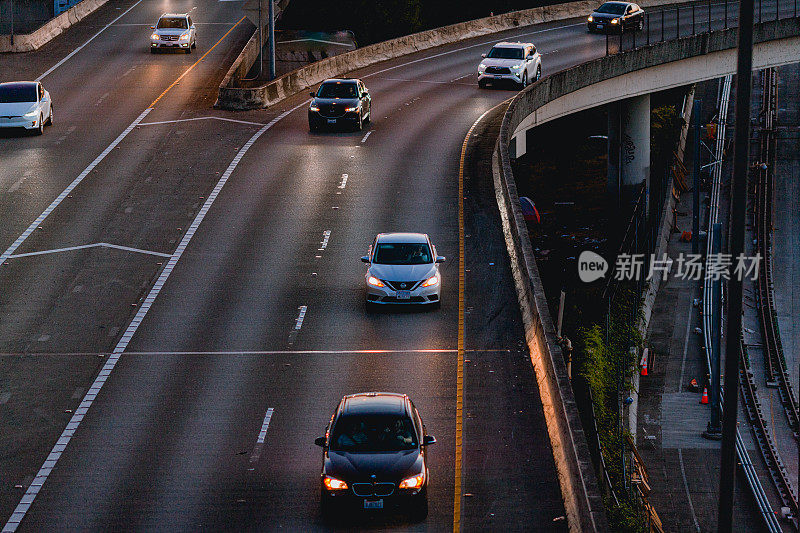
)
(744, 67)
(696, 179)
(271, 39)
(260, 39)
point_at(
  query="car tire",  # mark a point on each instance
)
(194, 44)
(368, 118)
(153, 50)
(360, 123)
(419, 511)
(50, 118)
(436, 305)
(481, 84)
(524, 82)
(189, 50)
(326, 508)
(40, 128)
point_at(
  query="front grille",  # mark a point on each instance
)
(498, 70)
(398, 285)
(169, 37)
(331, 110)
(368, 489)
(393, 300)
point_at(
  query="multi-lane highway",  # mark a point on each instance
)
(218, 254)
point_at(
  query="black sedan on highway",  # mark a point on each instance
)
(375, 456)
(340, 102)
(616, 17)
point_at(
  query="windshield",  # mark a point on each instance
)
(337, 90)
(13, 94)
(373, 433)
(612, 8)
(505, 53)
(173, 24)
(396, 253)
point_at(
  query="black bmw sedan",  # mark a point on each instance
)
(375, 456)
(340, 102)
(616, 17)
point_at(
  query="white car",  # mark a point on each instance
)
(516, 62)
(25, 104)
(175, 31)
(403, 269)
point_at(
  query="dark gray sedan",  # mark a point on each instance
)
(616, 17)
(340, 102)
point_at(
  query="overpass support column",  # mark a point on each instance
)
(628, 146)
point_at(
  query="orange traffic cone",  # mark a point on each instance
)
(644, 363)
(704, 398)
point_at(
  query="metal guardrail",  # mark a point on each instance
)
(693, 18)
(751, 476)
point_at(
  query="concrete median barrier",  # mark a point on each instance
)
(28, 42)
(234, 96)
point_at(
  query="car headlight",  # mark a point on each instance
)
(185, 37)
(481, 67)
(516, 67)
(331, 483)
(154, 36)
(313, 108)
(614, 21)
(350, 109)
(431, 281)
(591, 19)
(32, 114)
(375, 282)
(413, 482)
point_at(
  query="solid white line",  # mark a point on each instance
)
(316, 40)
(201, 118)
(366, 136)
(50, 463)
(51, 69)
(343, 183)
(95, 245)
(325, 236)
(462, 77)
(36, 223)
(686, 487)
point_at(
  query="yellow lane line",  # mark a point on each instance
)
(174, 83)
(461, 288)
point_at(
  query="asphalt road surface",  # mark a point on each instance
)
(192, 242)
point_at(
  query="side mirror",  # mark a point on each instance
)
(320, 441)
(483, 56)
(365, 259)
(427, 440)
(440, 258)
(312, 94)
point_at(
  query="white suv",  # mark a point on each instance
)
(516, 62)
(174, 30)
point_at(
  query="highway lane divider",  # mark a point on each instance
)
(233, 96)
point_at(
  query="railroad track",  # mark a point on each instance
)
(774, 360)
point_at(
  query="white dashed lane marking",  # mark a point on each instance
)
(366, 136)
(262, 435)
(325, 236)
(298, 323)
(343, 183)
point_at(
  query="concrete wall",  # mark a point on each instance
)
(778, 42)
(233, 96)
(54, 27)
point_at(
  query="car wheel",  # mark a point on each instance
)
(50, 119)
(189, 50)
(194, 44)
(524, 81)
(436, 305)
(40, 129)
(481, 84)
(360, 123)
(419, 511)
(538, 73)
(368, 118)
(153, 50)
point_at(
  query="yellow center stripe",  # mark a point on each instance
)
(174, 83)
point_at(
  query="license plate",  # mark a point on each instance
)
(599, 26)
(331, 121)
(403, 295)
(373, 504)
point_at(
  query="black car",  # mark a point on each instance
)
(340, 102)
(375, 456)
(616, 17)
